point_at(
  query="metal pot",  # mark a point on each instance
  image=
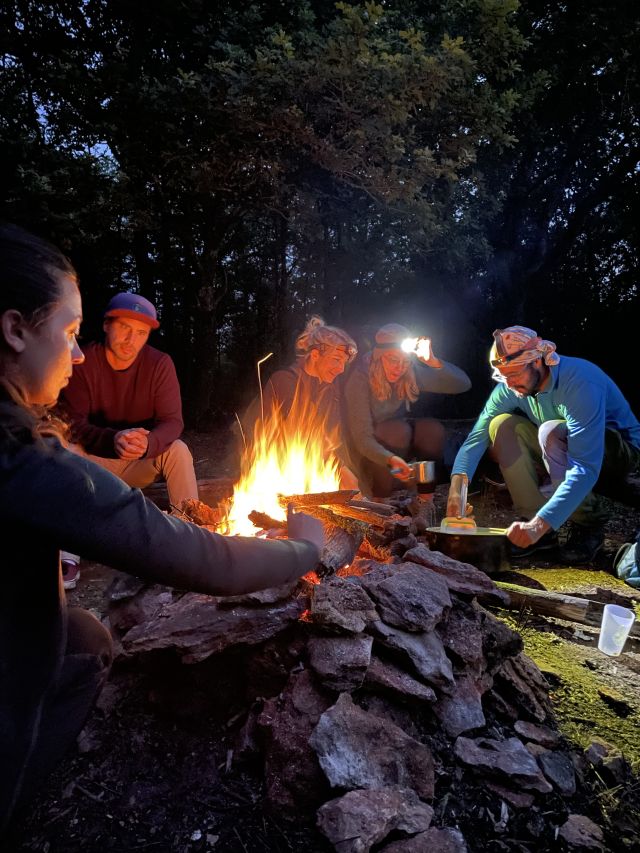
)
(486, 548)
(424, 476)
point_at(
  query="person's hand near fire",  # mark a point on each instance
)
(303, 526)
(399, 468)
(131, 443)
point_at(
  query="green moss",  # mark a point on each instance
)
(579, 694)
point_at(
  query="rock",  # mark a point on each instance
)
(197, 627)
(558, 769)
(356, 749)
(432, 841)
(342, 605)
(125, 586)
(539, 734)
(400, 546)
(518, 799)
(340, 662)
(359, 567)
(409, 598)
(143, 605)
(361, 818)
(520, 682)
(460, 710)
(293, 775)
(262, 596)
(507, 759)
(580, 832)
(608, 760)
(461, 578)
(462, 638)
(424, 650)
(498, 640)
(387, 677)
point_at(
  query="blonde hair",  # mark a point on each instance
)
(317, 335)
(406, 388)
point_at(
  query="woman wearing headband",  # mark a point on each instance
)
(309, 390)
(378, 397)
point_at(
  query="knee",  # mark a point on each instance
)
(179, 452)
(395, 434)
(552, 434)
(87, 635)
(500, 425)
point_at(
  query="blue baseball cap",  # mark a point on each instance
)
(134, 306)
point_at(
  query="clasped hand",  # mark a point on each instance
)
(131, 443)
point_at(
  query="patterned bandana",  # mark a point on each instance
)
(518, 345)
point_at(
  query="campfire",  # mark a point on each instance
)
(286, 456)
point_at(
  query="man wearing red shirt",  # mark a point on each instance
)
(124, 406)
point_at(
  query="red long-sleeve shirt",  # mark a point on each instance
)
(101, 401)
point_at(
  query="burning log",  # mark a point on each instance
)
(265, 522)
(379, 508)
(373, 519)
(342, 496)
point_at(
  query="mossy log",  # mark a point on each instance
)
(556, 604)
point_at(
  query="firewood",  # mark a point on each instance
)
(200, 513)
(367, 516)
(351, 525)
(265, 522)
(555, 604)
(379, 508)
(318, 498)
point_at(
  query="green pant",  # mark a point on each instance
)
(515, 446)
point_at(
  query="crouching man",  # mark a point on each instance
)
(556, 416)
(125, 409)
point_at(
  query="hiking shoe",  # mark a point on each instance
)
(70, 574)
(582, 544)
(546, 543)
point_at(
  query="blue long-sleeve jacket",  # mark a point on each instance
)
(584, 396)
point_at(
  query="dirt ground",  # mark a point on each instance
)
(155, 770)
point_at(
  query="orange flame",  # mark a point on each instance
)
(289, 455)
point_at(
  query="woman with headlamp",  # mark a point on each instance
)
(378, 397)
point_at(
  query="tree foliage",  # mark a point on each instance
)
(445, 163)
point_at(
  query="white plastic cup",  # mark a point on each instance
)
(615, 627)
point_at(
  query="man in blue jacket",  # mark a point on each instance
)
(556, 426)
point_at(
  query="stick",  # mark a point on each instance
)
(318, 498)
(373, 519)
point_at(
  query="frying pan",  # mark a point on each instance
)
(486, 548)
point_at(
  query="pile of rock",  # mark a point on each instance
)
(398, 701)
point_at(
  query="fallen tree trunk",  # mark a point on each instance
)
(556, 604)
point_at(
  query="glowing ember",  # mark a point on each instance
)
(292, 455)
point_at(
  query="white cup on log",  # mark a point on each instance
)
(615, 627)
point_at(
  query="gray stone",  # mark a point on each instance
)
(498, 640)
(462, 638)
(518, 799)
(387, 677)
(342, 605)
(196, 627)
(520, 682)
(356, 749)
(361, 818)
(539, 734)
(507, 759)
(558, 769)
(580, 832)
(142, 605)
(460, 710)
(261, 596)
(293, 775)
(409, 598)
(340, 662)
(432, 841)
(461, 578)
(424, 650)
